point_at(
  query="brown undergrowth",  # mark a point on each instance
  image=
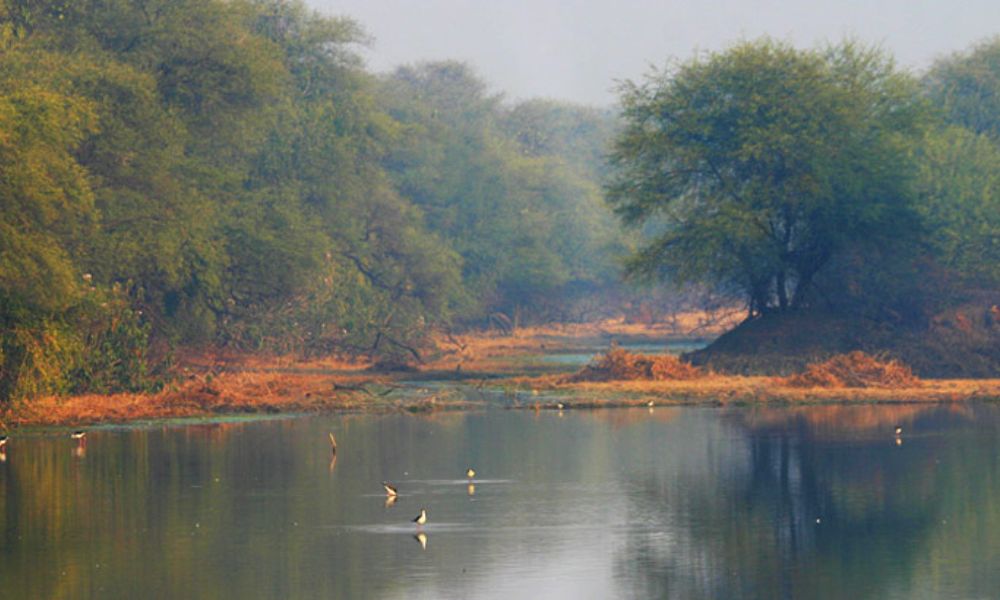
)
(854, 370)
(489, 350)
(233, 392)
(621, 365)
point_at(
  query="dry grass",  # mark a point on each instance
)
(214, 383)
(620, 365)
(715, 389)
(201, 395)
(209, 394)
(487, 350)
(854, 370)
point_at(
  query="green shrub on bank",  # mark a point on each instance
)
(99, 346)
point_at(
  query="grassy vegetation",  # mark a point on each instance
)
(497, 372)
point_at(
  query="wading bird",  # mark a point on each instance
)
(421, 518)
(333, 442)
(390, 490)
(3, 441)
(470, 473)
(78, 435)
(898, 430)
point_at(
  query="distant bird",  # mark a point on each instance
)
(78, 435)
(390, 490)
(559, 405)
(898, 430)
(470, 473)
(650, 404)
(333, 442)
(421, 518)
(3, 441)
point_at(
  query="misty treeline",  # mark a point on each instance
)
(228, 173)
(208, 172)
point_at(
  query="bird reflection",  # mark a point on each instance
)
(3, 454)
(471, 489)
(421, 538)
(390, 500)
(333, 461)
(899, 441)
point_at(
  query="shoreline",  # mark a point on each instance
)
(468, 372)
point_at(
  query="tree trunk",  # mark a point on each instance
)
(782, 292)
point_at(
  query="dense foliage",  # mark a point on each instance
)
(794, 178)
(227, 172)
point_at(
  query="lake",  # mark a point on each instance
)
(808, 502)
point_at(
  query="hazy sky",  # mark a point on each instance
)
(575, 50)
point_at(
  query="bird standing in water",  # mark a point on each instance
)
(78, 435)
(3, 441)
(470, 473)
(421, 518)
(390, 490)
(898, 430)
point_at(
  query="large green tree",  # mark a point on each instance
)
(758, 165)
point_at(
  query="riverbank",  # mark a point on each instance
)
(721, 390)
(527, 370)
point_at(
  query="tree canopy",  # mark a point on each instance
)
(227, 172)
(758, 165)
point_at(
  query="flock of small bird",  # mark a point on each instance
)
(392, 493)
(80, 436)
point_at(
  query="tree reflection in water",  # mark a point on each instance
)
(822, 503)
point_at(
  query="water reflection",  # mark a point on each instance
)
(421, 538)
(816, 502)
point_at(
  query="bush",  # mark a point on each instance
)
(854, 370)
(620, 364)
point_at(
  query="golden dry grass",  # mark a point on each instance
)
(213, 383)
(486, 350)
(854, 370)
(618, 364)
(718, 389)
(208, 394)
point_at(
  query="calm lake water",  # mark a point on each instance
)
(815, 502)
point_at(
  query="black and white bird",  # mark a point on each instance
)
(390, 490)
(3, 441)
(78, 435)
(470, 473)
(898, 430)
(421, 518)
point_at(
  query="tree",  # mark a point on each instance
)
(756, 166)
(967, 88)
(959, 191)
